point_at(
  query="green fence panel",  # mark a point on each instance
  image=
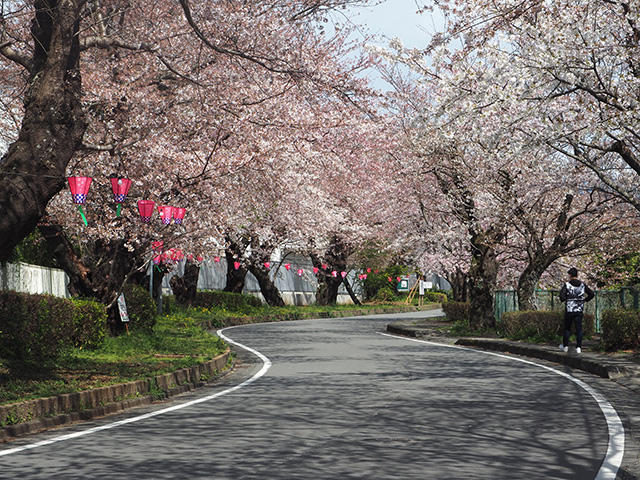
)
(507, 301)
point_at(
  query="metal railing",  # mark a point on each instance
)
(507, 301)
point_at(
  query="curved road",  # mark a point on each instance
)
(337, 398)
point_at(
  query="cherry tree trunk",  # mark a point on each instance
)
(33, 169)
(483, 276)
(235, 278)
(354, 298)
(459, 282)
(327, 293)
(529, 279)
(268, 288)
(185, 288)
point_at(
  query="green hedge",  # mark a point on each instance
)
(620, 329)
(543, 326)
(435, 297)
(456, 311)
(35, 328)
(226, 300)
(90, 324)
(141, 308)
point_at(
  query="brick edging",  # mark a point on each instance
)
(90, 404)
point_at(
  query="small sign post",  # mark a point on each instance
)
(122, 307)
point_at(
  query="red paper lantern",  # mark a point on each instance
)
(315, 270)
(287, 266)
(178, 214)
(145, 207)
(216, 259)
(166, 212)
(120, 188)
(300, 272)
(79, 188)
(236, 265)
(267, 265)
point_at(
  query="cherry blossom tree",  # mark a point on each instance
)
(191, 100)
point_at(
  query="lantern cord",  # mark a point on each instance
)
(118, 210)
(83, 216)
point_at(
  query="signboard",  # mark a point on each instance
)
(122, 306)
(403, 285)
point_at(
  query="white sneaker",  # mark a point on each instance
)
(563, 348)
(578, 350)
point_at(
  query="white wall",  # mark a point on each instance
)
(22, 277)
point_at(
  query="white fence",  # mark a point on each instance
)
(22, 277)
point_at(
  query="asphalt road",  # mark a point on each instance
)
(337, 398)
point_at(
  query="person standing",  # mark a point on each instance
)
(574, 293)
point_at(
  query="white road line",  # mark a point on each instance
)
(266, 365)
(615, 451)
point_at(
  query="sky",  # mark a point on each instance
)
(397, 18)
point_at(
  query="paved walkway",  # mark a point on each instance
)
(623, 368)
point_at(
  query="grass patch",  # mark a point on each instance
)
(177, 341)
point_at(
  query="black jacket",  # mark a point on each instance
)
(575, 293)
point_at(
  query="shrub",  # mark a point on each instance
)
(375, 282)
(90, 324)
(384, 294)
(34, 328)
(226, 300)
(142, 310)
(541, 326)
(436, 297)
(620, 329)
(456, 311)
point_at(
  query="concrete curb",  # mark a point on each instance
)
(618, 367)
(91, 404)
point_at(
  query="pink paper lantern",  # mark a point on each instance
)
(315, 270)
(145, 207)
(120, 188)
(344, 274)
(300, 272)
(325, 266)
(216, 259)
(178, 214)
(334, 273)
(287, 266)
(79, 188)
(364, 276)
(236, 265)
(267, 265)
(166, 212)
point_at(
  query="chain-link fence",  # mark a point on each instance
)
(507, 301)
